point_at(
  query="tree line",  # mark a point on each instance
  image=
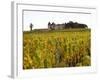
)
(54, 26)
(68, 25)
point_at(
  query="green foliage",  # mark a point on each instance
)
(56, 49)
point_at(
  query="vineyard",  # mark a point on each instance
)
(56, 48)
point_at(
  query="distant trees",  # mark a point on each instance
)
(31, 26)
(70, 24)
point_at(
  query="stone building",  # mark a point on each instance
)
(70, 24)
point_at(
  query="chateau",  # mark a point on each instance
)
(70, 24)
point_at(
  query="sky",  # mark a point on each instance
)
(40, 19)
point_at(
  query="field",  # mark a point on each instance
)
(56, 48)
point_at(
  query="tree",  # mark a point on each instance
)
(31, 26)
